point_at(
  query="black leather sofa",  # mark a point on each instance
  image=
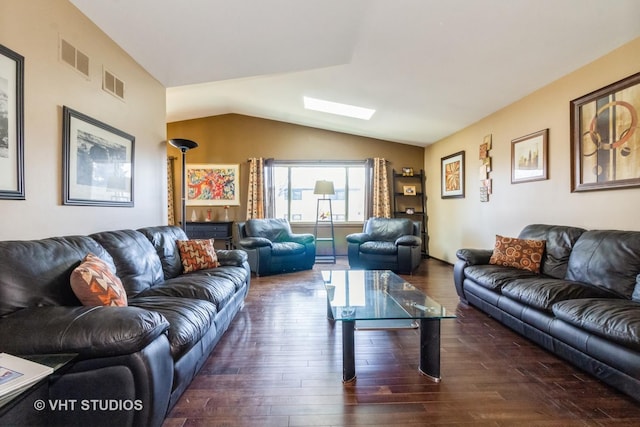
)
(148, 351)
(386, 244)
(273, 248)
(583, 306)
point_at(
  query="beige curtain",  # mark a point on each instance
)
(171, 203)
(255, 192)
(381, 201)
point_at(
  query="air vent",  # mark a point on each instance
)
(72, 56)
(112, 84)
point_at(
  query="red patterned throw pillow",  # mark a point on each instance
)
(95, 284)
(518, 253)
(197, 254)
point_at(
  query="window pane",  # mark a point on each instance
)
(295, 198)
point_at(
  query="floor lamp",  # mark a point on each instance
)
(183, 145)
(325, 188)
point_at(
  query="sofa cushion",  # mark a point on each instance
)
(197, 254)
(163, 238)
(542, 292)
(216, 290)
(615, 319)
(494, 277)
(607, 258)
(523, 254)
(189, 319)
(137, 263)
(560, 240)
(35, 273)
(95, 284)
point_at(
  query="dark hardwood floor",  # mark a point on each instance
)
(280, 364)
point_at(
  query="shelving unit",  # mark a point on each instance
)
(408, 192)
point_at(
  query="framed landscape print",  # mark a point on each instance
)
(11, 125)
(529, 157)
(452, 176)
(97, 162)
(213, 185)
(605, 139)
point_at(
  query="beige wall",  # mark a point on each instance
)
(233, 138)
(32, 28)
(457, 223)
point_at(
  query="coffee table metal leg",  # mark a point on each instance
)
(430, 348)
(348, 351)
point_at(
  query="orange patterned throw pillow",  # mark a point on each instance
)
(94, 284)
(518, 253)
(197, 254)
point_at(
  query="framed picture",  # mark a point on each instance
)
(605, 138)
(97, 162)
(452, 176)
(409, 190)
(407, 171)
(11, 125)
(213, 185)
(529, 157)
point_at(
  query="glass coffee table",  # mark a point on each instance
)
(382, 296)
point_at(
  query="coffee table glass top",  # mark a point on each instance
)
(377, 295)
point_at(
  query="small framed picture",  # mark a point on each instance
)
(452, 171)
(409, 190)
(529, 157)
(410, 211)
(407, 171)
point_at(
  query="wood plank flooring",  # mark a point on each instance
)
(280, 364)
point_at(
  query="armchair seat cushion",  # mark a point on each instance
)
(287, 248)
(379, 248)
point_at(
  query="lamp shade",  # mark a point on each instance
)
(183, 144)
(324, 187)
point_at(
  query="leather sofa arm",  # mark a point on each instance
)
(408, 241)
(89, 331)
(233, 257)
(358, 238)
(474, 256)
(254, 242)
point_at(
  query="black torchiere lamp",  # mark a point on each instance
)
(183, 145)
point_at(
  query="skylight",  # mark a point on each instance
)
(338, 108)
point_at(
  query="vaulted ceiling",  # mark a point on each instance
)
(428, 67)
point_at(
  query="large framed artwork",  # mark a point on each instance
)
(452, 176)
(213, 185)
(11, 125)
(97, 162)
(529, 157)
(605, 139)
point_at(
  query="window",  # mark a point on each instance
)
(294, 183)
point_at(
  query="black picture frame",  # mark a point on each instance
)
(452, 176)
(11, 125)
(97, 162)
(605, 137)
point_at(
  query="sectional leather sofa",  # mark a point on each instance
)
(146, 352)
(583, 305)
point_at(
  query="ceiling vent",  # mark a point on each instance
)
(72, 56)
(112, 84)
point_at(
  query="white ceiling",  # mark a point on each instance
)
(429, 67)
